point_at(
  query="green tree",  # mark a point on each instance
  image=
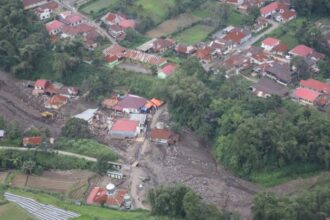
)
(76, 128)
(28, 166)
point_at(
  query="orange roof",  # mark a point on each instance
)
(270, 41)
(306, 94)
(235, 35)
(157, 102)
(32, 141)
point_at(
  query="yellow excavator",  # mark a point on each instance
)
(47, 115)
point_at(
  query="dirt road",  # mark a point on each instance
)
(17, 105)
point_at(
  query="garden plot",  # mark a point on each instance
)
(194, 34)
(173, 25)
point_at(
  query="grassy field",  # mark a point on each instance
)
(88, 212)
(194, 34)
(157, 10)
(95, 7)
(10, 211)
(287, 33)
(279, 176)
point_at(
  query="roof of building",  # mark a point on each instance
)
(54, 25)
(269, 8)
(235, 35)
(141, 118)
(144, 57)
(2, 133)
(161, 134)
(99, 195)
(159, 44)
(280, 48)
(306, 94)
(316, 85)
(270, 41)
(282, 71)
(270, 87)
(43, 83)
(86, 115)
(287, 14)
(169, 69)
(127, 23)
(32, 140)
(302, 50)
(114, 50)
(130, 102)
(78, 29)
(73, 18)
(65, 14)
(57, 100)
(204, 53)
(125, 125)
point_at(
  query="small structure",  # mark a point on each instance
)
(306, 96)
(115, 175)
(54, 27)
(269, 43)
(125, 128)
(2, 134)
(166, 71)
(267, 87)
(141, 118)
(163, 136)
(31, 141)
(87, 115)
(110, 196)
(184, 49)
(305, 52)
(56, 102)
(281, 49)
(130, 104)
(45, 11)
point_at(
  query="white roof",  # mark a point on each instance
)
(86, 115)
(2, 133)
(147, 45)
(139, 117)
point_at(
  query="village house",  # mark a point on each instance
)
(45, 11)
(163, 136)
(31, 141)
(166, 71)
(29, 4)
(56, 102)
(69, 92)
(280, 72)
(236, 62)
(71, 19)
(266, 87)
(305, 51)
(260, 24)
(117, 32)
(161, 45)
(280, 49)
(41, 86)
(305, 96)
(110, 196)
(113, 18)
(220, 47)
(315, 85)
(269, 43)
(269, 9)
(204, 54)
(257, 55)
(125, 128)
(184, 49)
(114, 53)
(238, 36)
(142, 57)
(54, 27)
(130, 104)
(286, 15)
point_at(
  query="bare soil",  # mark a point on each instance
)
(173, 25)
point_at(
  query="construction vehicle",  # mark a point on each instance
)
(47, 115)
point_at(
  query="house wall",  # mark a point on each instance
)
(123, 134)
(44, 15)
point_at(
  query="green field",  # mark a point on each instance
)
(11, 211)
(95, 7)
(157, 10)
(194, 34)
(88, 212)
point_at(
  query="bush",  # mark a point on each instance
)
(76, 128)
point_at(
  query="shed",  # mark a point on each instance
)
(163, 136)
(87, 115)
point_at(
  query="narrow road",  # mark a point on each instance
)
(90, 21)
(254, 39)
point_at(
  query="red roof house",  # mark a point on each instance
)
(280, 49)
(54, 27)
(167, 70)
(269, 9)
(100, 195)
(301, 50)
(237, 36)
(124, 128)
(130, 104)
(286, 15)
(31, 141)
(269, 43)
(204, 54)
(163, 136)
(41, 84)
(73, 20)
(316, 85)
(306, 96)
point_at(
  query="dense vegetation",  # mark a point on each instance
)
(11, 159)
(76, 128)
(180, 201)
(313, 204)
(250, 134)
(312, 7)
